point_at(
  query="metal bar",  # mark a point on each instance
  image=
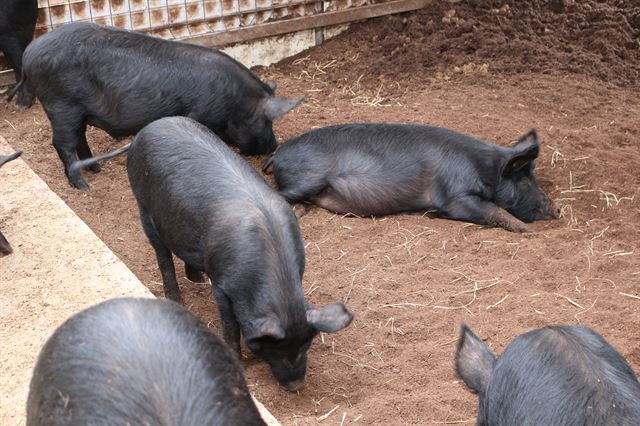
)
(7, 78)
(306, 23)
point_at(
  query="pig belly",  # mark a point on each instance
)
(371, 202)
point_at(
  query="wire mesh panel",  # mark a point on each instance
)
(211, 22)
(177, 19)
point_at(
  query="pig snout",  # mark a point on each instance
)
(290, 375)
(293, 385)
(547, 210)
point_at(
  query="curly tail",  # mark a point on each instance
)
(11, 93)
(267, 164)
(76, 166)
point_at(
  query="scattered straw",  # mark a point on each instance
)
(515, 252)
(324, 416)
(12, 126)
(557, 156)
(574, 303)
(301, 60)
(575, 188)
(633, 296)
(582, 312)
(619, 253)
(367, 100)
(394, 330)
(357, 362)
(567, 212)
(346, 298)
(437, 345)
(405, 305)
(313, 288)
(356, 272)
(497, 303)
(612, 199)
(595, 237)
(344, 415)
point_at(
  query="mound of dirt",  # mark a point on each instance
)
(599, 39)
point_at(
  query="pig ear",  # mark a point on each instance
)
(277, 106)
(522, 153)
(266, 327)
(329, 319)
(474, 360)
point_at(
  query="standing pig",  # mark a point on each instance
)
(552, 376)
(138, 362)
(5, 247)
(379, 169)
(205, 204)
(17, 23)
(120, 81)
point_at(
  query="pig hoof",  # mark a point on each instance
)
(194, 274)
(196, 277)
(300, 210)
(521, 228)
(293, 385)
(176, 297)
(79, 184)
(95, 168)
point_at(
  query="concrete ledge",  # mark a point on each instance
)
(58, 267)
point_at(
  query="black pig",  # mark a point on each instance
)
(120, 81)
(378, 169)
(552, 376)
(138, 362)
(202, 202)
(17, 23)
(5, 247)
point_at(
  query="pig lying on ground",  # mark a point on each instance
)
(138, 362)
(202, 202)
(552, 376)
(120, 81)
(379, 169)
(5, 247)
(17, 23)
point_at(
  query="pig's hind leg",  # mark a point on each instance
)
(164, 258)
(68, 128)
(194, 274)
(474, 209)
(85, 152)
(300, 192)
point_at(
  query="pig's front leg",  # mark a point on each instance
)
(474, 209)
(230, 326)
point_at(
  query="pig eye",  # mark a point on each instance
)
(254, 346)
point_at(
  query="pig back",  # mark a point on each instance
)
(135, 78)
(192, 184)
(138, 361)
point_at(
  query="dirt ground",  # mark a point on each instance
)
(489, 69)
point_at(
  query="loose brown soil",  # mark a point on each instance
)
(570, 70)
